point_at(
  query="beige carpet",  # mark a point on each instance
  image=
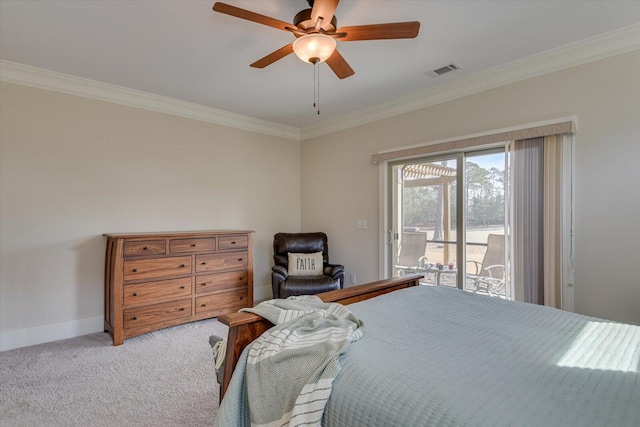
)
(163, 378)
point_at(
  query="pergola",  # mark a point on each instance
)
(430, 174)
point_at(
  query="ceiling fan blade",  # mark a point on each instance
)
(252, 16)
(324, 9)
(339, 66)
(273, 56)
(396, 30)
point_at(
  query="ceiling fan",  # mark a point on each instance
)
(316, 33)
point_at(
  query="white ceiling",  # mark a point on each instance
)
(184, 50)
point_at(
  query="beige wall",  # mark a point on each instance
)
(74, 168)
(340, 185)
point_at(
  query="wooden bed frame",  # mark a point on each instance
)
(245, 327)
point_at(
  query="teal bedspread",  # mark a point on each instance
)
(436, 356)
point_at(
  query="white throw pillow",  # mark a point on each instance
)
(305, 264)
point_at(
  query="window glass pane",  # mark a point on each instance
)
(426, 242)
(485, 223)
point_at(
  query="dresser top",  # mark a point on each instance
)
(169, 234)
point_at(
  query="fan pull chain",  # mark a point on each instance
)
(316, 83)
(316, 86)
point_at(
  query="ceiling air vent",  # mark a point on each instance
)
(443, 70)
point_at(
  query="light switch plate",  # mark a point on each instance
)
(361, 224)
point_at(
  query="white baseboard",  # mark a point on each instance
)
(75, 328)
(53, 332)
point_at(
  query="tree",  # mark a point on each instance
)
(423, 206)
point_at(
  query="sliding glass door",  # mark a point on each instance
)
(454, 238)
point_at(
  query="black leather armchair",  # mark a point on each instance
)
(284, 285)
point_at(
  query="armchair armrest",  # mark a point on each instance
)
(278, 275)
(336, 272)
(333, 269)
(280, 271)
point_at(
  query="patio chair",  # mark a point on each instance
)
(489, 275)
(411, 256)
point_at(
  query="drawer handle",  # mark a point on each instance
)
(203, 263)
(241, 298)
(193, 245)
(182, 265)
(135, 270)
(233, 243)
(135, 317)
(204, 284)
(181, 308)
(203, 305)
(239, 259)
(181, 287)
(145, 248)
(135, 294)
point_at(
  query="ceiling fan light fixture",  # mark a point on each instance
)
(314, 48)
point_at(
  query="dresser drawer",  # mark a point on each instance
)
(148, 247)
(215, 304)
(154, 268)
(153, 291)
(233, 242)
(221, 281)
(141, 316)
(192, 245)
(224, 261)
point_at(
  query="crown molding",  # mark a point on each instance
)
(26, 75)
(585, 51)
(610, 44)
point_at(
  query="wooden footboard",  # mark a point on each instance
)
(245, 327)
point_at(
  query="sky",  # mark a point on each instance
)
(489, 161)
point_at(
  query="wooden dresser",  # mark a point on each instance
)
(156, 280)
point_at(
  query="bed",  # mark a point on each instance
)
(441, 356)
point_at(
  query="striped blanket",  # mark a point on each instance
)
(289, 370)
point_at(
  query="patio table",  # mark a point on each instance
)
(438, 272)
